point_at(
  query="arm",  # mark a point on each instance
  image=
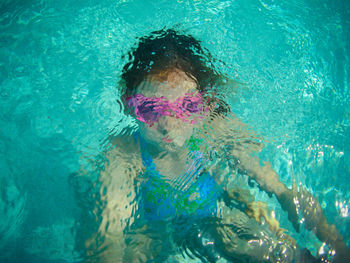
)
(316, 221)
(239, 145)
(244, 146)
(254, 209)
(269, 181)
(123, 240)
(117, 193)
(309, 206)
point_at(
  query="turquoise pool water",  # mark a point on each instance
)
(60, 65)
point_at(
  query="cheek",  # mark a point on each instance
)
(167, 126)
(150, 131)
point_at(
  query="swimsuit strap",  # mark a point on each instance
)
(147, 159)
(164, 200)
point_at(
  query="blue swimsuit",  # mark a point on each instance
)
(161, 201)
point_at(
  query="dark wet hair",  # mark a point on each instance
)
(166, 49)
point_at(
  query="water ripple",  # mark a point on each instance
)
(12, 208)
(59, 74)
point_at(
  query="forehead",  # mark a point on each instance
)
(170, 84)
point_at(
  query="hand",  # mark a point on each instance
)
(259, 210)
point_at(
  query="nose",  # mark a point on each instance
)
(167, 123)
(162, 130)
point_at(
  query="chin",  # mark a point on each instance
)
(166, 145)
(170, 147)
(170, 142)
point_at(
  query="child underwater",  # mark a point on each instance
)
(172, 183)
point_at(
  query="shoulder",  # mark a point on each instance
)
(229, 131)
(124, 154)
(125, 144)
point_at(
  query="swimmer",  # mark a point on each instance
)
(170, 171)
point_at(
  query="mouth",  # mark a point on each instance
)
(166, 139)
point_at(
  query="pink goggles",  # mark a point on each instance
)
(149, 109)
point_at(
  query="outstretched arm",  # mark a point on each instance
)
(268, 180)
(316, 221)
(292, 200)
(244, 146)
(238, 141)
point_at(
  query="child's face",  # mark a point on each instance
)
(171, 123)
